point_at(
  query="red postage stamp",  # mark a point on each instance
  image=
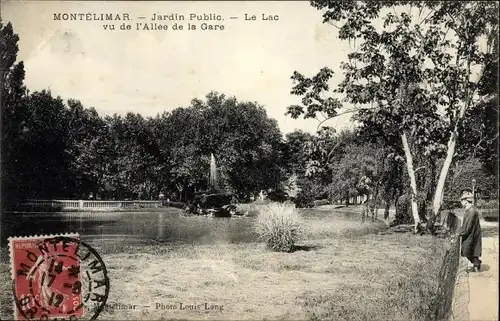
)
(46, 277)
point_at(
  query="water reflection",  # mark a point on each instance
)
(167, 226)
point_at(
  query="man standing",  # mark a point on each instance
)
(470, 232)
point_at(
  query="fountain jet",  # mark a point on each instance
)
(213, 173)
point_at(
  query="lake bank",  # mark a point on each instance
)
(342, 270)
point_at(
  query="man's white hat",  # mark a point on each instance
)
(467, 196)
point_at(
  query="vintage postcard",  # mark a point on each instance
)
(249, 160)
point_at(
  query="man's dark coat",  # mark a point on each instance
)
(471, 234)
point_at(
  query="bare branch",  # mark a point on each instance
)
(419, 14)
(354, 43)
(334, 25)
(454, 24)
(476, 147)
(496, 136)
(331, 152)
(421, 167)
(445, 34)
(320, 123)
(340, 114)
(427, 16)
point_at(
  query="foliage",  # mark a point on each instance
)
(12, 112)
(310, 190)
(403, 210)
(294, 151)
(491, 204)
(410, 58)
(353, 174)
(488, 209)
(326, 149)
(482, 140)
(410, 77)
(321, 202)
(279, 225)
(87, 147)
(462, 175)
(57, 149)
(245, 141)
(291, 186)
(397, 81)
(491, 216)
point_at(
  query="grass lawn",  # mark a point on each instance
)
(343, 271)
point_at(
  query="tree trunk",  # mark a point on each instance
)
(396, 208)
(397, 193)
(386, 210)
(413, 182)
(374, 204)
(452, 144)
(439, 193)
(179, 189)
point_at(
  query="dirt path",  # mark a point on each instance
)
(483, 286)
(475, 296)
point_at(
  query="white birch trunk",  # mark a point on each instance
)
(438, 195)
(413, 181)
(452, 142)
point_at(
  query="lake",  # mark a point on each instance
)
(164, 226)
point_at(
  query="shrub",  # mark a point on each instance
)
(488, 210)
(277, 196)
(493, 204)
(321, 202)
(490, 215)
(279, 226)
(309, 191)
(461, 176)
(403, 210)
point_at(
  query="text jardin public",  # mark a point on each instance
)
(158, 18)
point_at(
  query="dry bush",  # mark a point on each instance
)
(279, 225)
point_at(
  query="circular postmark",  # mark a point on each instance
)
(59, 278)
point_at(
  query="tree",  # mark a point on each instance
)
(12, 112)
(358, 172)
(87, 148)
(130, 157)
(294, 152)
(74, 152)
(464, 172)
(184, 163)
(393, 182)
(412, 75)
(479, 136)
(44, 147)
(245, 141)
(36, 140)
